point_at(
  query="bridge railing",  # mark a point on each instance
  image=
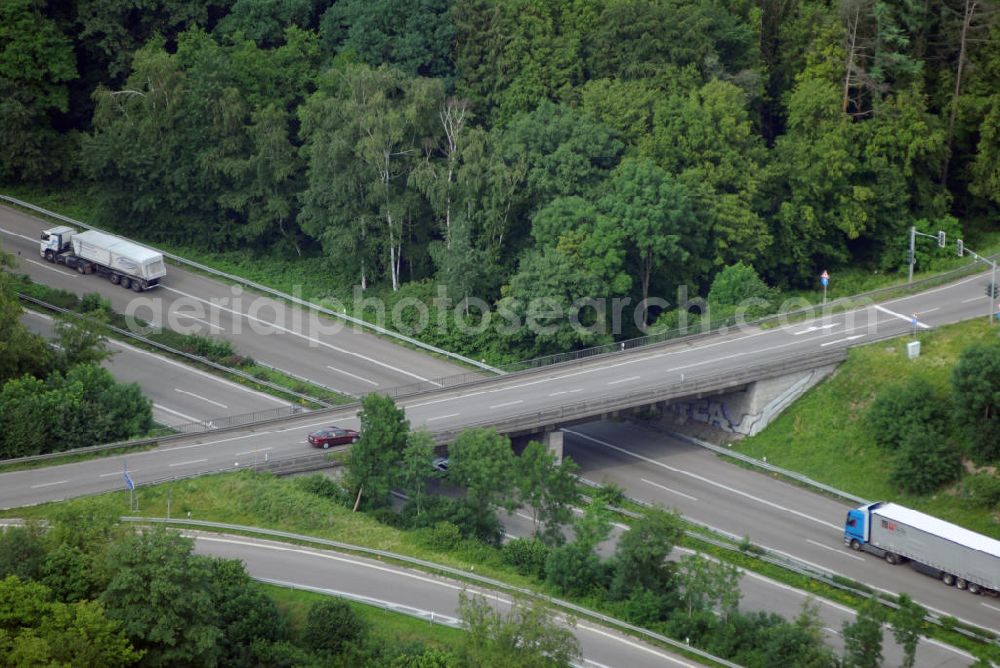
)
(688, 386)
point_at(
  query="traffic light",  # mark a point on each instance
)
(941, 238)
(992, 290)
(960, 247)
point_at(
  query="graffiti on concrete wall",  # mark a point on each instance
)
(713, 412)
(727, 412)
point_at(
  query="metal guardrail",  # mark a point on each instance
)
(272, 292)
(447, 570)
(753, 461)
(180, 353)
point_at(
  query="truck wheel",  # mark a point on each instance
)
(855, 544)
(891, 558)
(136, 286)
(50, 256)
(115, 279)
(948, 579)
(974, 588)
(126, 283)
(81, 267)
(961, 583)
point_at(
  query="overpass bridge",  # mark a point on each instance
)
(755, 370)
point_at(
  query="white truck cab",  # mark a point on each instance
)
(55, 241)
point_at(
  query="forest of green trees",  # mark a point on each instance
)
(514, 149)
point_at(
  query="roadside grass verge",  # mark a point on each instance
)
(823, 435)
(392, 626)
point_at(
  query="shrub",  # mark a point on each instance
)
(976, 384)
(924, 461)
(388, 517)
(471, 524)
(325, 487)
(332, 625)
(609, 494)
(982, 489)
(527, 555)
(94, 302)
(906, 408)
(443, 536)
(574, 569)
(213, 349)
(644, 607)
(738, 289)
(54, 296)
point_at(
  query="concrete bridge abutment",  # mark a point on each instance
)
(747, 411)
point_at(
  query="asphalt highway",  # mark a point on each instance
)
(294, 340)
(654, 467)
(416, 590)
(183, 397)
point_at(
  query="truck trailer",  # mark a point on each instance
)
(121, 261)
(955, 555)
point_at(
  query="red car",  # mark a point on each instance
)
(332, 435)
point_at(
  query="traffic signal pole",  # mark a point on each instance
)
(992, 290)
(913, 251)
(993, 282)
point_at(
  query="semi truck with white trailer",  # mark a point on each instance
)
(121, 261)
(955, 555)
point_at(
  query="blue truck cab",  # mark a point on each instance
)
(856, 527)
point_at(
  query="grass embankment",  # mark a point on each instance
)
(263, 500)
(824, 436)
(394, 627)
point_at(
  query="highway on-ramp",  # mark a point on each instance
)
(293, 339)
(417, 590)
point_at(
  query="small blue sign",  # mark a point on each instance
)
(824, 281)
(127, 478)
